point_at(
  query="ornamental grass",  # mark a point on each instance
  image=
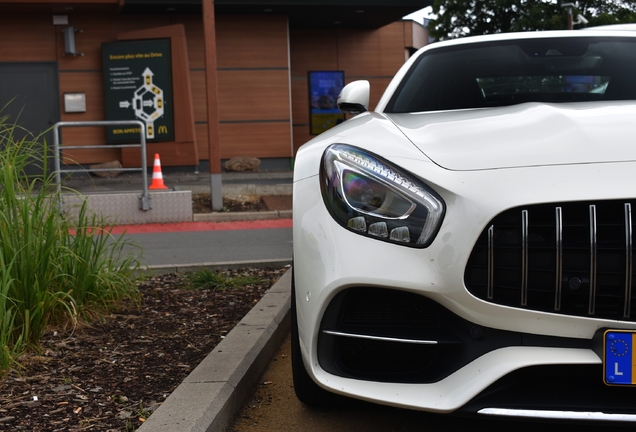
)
(53, 271)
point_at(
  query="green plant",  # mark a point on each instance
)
(129, 427)
(52, 270)
(9, 350)
(206, 279)
(143, 412)
(100, 273)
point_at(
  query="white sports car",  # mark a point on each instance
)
(469, 245)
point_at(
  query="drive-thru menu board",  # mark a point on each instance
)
(138, 86)
(324, 87)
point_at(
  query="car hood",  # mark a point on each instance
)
(524, 135)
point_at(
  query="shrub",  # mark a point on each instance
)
(218, 280)
(50, 271)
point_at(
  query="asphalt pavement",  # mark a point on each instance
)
(211, 239)
(233, 183)
(214, 247)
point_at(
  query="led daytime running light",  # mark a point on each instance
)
(383, 171)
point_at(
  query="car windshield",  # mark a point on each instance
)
(509, 72)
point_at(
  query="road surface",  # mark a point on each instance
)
(205, 242)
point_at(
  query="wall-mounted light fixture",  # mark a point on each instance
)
(69, 41)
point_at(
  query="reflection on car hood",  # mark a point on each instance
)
(524, 135)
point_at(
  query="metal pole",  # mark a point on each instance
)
(568, 7)
(145, 202)
(56, 164)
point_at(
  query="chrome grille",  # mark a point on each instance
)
(568, 258)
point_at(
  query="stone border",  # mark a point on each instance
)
(212, 395)
(241, 216)
(240, 189)
(219, 265)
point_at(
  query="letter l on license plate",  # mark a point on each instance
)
(619, 358)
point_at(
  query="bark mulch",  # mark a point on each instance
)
(243, 203)
(111, 374)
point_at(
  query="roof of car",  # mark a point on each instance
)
(614, 27)
(594, 31)
(501, 37)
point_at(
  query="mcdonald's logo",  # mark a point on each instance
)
(163, 129)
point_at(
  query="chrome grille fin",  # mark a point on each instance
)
(570, 258)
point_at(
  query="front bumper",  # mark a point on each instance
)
(387, 335)
(330, 262)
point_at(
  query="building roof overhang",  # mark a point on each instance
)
(303, 14)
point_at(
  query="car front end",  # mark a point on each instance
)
(476, 259)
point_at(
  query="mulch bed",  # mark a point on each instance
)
(201, 204)
(112, 374)
(243, 203)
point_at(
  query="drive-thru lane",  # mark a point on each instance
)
(275, 408)
(210, 242)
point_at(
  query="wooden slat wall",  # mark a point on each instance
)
(254, 71)
(253, 85)
(83, 73)
(245, 41)
(130, 23)
(199, 99)
(90, 83)
(254, 95)
(408, 33)
(34, 38)
(420, 35)
(27, 38)
(193, 25)
(256, 140)
(373, 55)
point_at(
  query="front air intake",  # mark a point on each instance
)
(568, 258)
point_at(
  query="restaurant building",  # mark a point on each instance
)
(210, 80)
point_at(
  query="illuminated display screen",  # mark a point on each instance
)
(324, 88)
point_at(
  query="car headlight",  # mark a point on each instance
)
(368, 195)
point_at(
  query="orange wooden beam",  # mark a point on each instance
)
(211, 80)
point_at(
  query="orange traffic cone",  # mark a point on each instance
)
(157, 177)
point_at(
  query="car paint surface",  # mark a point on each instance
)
(481, 162)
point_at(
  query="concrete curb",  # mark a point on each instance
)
(172, 268)
(211, 396)
(241, 216)
(177, 178)
(240, 189)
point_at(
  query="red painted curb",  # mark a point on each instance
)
(201, 226)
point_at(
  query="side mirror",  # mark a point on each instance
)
(354, 97)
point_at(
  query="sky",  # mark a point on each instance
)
(420, 14)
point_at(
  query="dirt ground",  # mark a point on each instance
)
(275, 408)
(112, 374)
(243, 203)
